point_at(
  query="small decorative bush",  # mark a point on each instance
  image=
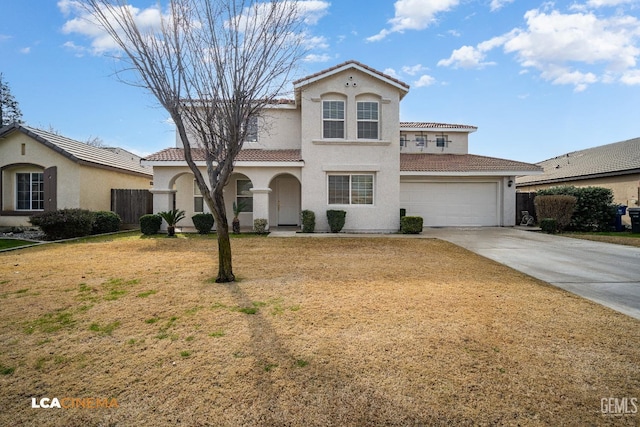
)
(203, 222)
(549, 225)
(150, 224)
(260, 225)
(559, 207)
(411, 224)
(592, 211)
(336, 220)
(308, 221)
(106, 222)
(64, 223)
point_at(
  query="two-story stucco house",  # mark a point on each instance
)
(340, 144)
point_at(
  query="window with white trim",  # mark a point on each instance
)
(198, 200)
(30, 191)
(367, 120)
(333, 119)
(441, 140)
(350, 189)
(252, 130)
(244, 196)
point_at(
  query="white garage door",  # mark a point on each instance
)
(452, 204)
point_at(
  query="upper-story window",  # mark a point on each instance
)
(333, 119)
(441, 141)
(421, 141)
(252, 130)
(367, 120)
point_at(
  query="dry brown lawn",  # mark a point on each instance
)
(317, 332)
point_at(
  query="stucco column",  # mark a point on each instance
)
(261, 204)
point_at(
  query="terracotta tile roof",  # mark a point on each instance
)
(460, 163)
(360, 64)
(611, 159)
(80, 152)
(249, 155)
(431, 125)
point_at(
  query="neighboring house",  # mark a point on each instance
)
(44, 171)
(615, 166)
(340, 145)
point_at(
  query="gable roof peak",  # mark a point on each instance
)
(402, 86)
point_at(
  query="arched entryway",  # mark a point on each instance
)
(284, 207)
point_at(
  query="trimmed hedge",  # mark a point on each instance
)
(203, 222)
(593, 206)
(558, 207)
(308, 221)
(411, 224)
(336, 220)
(106, 222)
(64, 223)
(150, 224)
(549, 225)
(260, 226)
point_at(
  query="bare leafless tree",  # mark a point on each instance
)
(213, 65)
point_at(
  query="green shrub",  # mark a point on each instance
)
(260, 225)
(549, 225)
(150, 224)
(558, 207)
(592, 211)
(106, 222)
(203, 222)
(64, 223)
(336, 220)
(308, 221)
(411, 224)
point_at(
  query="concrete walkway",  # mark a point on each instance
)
(605, 273)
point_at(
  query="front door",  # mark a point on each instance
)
(288, 201)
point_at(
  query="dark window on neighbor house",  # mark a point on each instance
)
(333, 119)
(30, 191)
(441, 141)
(367, 120)
(403, 140)
(244, 196)
(421, 141)
(350, 189)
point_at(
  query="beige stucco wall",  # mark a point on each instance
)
(379, 157)
(96, 185)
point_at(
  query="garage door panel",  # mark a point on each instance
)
(452, 203)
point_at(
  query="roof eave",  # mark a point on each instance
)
(464, 173)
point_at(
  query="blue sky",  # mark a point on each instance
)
(537, 78)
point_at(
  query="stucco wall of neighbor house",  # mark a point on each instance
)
(379, 157)
(96, 184)
(458, 142)
(36, 153)
(625, 188)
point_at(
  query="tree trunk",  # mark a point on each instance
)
(225, 269)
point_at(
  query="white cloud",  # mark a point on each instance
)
(631, 77)
(604, 3)
(424, 80)
(498, 4)
(391, 72)
(317, 58)
(576, 49)
(413, 70)
(25, 50)
(414, 15)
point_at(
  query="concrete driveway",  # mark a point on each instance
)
(605, 273)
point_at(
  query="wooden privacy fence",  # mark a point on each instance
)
(524, 202)
(131, 204)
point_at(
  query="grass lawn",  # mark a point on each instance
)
(623, 238)
(13, 243)
(317, 332)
